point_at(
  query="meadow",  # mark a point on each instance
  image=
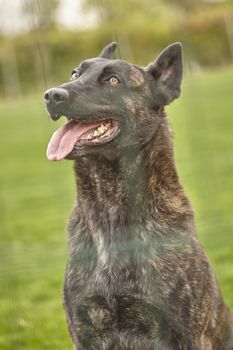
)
(37, 196)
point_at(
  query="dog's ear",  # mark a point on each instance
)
(108, 51)
(167, 71)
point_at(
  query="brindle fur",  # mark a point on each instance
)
(137, 277)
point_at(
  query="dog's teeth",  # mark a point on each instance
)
(101, 129)
(88, 137)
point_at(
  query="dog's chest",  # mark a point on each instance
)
(112, 257)
(110, 266)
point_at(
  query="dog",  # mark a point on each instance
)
(137, 277)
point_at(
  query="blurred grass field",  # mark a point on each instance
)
(37, 196)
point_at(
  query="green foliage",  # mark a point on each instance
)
(112, 11)
(187, 5)
(37, 196)
(40, 13)
(44, 56)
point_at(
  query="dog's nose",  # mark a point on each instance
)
(56, 95)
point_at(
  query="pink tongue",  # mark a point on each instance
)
(63, 140)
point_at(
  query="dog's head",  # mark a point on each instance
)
(111, 103)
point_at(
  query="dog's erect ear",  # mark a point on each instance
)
(108, 51)
(167, 71)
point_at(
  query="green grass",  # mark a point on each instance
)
(37, 196)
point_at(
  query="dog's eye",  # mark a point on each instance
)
(74, 76)
(113, 80)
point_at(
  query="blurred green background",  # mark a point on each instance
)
(38, 50)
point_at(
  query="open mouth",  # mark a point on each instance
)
(75, 134)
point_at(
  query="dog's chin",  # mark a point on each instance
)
(109, 149)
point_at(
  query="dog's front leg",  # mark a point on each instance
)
(91, 322)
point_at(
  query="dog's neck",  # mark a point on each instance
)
(134, 186)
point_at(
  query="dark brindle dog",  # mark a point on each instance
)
(137, 277)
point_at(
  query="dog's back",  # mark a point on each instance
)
(137, 277)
